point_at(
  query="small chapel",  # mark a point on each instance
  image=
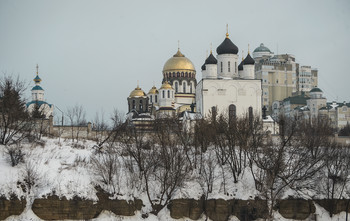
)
(38, 102)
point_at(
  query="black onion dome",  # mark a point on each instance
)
(203, 67)
(227, 47)
(249, 60)
(240, 66)
(211, 59)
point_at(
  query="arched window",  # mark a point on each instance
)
(155, 98)
(186, 74)
(221, 66)
(184, 87)
(176, 87)
(232, 112)
(163, 94)
(141, 106)
(173, 74)
(182, 74)
(168, 93)
(133, 104)
(228, 66)
(151, 98)
(213, 113)
(250, 111)
(235, 66)
(178, 74)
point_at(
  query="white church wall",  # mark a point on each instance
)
(227, 72)
(222, 93)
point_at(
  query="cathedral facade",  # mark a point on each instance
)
(226, 87)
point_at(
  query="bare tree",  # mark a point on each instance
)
(166, 168)
(282, 164)
(107, 168)
(76, 117)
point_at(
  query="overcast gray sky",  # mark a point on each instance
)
(94, 52)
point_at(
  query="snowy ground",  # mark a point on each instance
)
(67, 171)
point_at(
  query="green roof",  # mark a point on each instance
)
(299, 99)
(262, 48)
(315, 89)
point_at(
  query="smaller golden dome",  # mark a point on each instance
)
(153, 90)
(166, 85)
(138, 92)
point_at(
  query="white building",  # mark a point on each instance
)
(38, 101)
(224, 88)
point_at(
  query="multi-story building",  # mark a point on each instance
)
(281, 76)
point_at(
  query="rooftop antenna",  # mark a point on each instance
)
(211, 48)
(137, 83)
(178, 45)
(37, 69)
(248, 49)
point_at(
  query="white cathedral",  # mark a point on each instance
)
(225, 87)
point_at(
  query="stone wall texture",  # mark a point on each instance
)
(14, 206)
(55, 208)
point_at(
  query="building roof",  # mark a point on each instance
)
(178, 62)
(166, 85)
(299, 99)
(262, 48)
(203, 67)
(248, 60)
(38, 102)
(240, 66)
(137, 92)
(227, 47)
(37, 87)
(211, 59)
(153, 90)
(315, 89)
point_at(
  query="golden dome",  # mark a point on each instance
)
(153, 90)
(166, 85)
(178, 62)
(138, 92)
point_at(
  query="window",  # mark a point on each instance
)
(221, 67)
(173, 74)
(155, 99)
(228, 66)
(213, 113)
(163, 94)
(176, 87)
(151, 98)
(184, 87)
(232, 112)
(235, 66)
(182, 74)
(133, 104)
(186, 74)
(168, 94)
(250, 111)
(141, 106)
(178, 74)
